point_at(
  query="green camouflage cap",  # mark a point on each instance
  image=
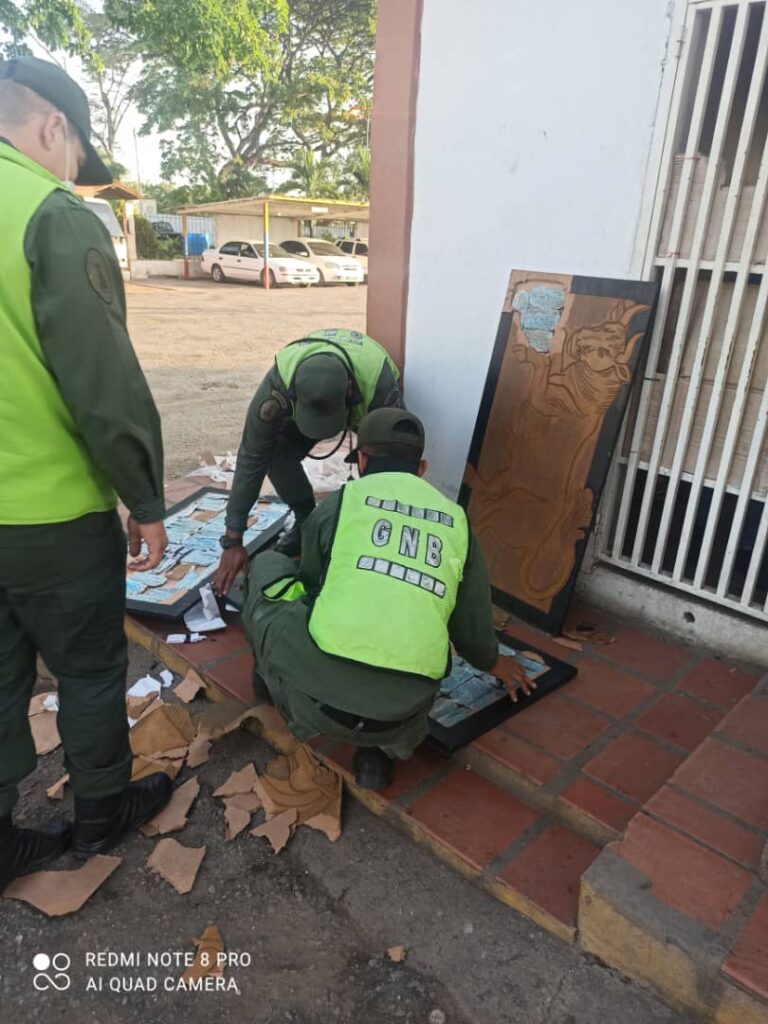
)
(55, 85)
(320, 405)
(396, 427)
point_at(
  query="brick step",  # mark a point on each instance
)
(593, 753)
(678, 902)
(511, 849)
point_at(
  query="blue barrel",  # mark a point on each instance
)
(197, 243)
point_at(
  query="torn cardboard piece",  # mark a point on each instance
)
(56, 893)
(136, 706)
(37, 703)
(189, 687)
(168, 727)
(328, 821)
(243, 781)
(177, 864)
(238, 811)
(277, 830)
(222, 718)
(397, 954)
(56, 791)
(199, 752)
(236, 819)
(45, 733)
(143, 766)
(572, 645)
(208, 960)
(173, 818)
(588, 632)
(299, 781)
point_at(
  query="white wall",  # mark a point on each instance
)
(533, 130)
(231, 227)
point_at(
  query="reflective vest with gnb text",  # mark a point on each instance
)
(47, 474)
(396, 563)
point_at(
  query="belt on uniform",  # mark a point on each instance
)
(356, 722)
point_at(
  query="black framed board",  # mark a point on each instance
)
(194, 526)
(567, 350)
(471, 703)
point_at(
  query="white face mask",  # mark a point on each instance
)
(67, 180)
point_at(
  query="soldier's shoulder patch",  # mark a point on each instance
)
(269, 410)
(99, 274)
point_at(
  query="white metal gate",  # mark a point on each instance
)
(689, 503)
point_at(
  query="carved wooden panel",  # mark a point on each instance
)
(557, 388)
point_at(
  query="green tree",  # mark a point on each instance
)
(356, 177)
(240, 82)
(109, 63)
(311, 176)
(52, 24)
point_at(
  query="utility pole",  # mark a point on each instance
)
(136, 151)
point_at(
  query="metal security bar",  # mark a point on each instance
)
(689, 502)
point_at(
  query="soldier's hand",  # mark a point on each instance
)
(233, 562)
(512, 674)
(154, 536)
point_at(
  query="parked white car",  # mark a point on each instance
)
(334, 266)
(357, 247)
(244, 261)
(106, 215)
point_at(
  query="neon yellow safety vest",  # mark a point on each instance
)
(397, 559)
(362, 356)
(46, 472)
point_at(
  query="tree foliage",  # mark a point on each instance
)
(312, 176)
(240, 82)
(52, 24)
(109, 61)
(233, 85)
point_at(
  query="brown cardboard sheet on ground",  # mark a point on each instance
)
(242, 781)
(173, 818)
(236, 819)
(56, 893)
(298, 781)
(45, 732)
(209, 946)
(143, 766)
(177, 864)
(199, 751)
(136, 706)
(36, 706)
(189, 687)
(277, 830)
(56, 791)
(168, 727)
(222, 718)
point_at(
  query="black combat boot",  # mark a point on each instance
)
(373, 768)
(25, 849)
(101, 822)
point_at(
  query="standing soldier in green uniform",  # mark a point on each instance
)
(354, 645)
(319, 386)
(78, 425)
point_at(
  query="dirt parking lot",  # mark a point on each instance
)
(205, 347)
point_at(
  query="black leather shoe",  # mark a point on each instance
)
(373, 768)
(23, 850)
(101, 822)
(289, 541)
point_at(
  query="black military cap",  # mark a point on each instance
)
(55, 85)
(396, 428)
